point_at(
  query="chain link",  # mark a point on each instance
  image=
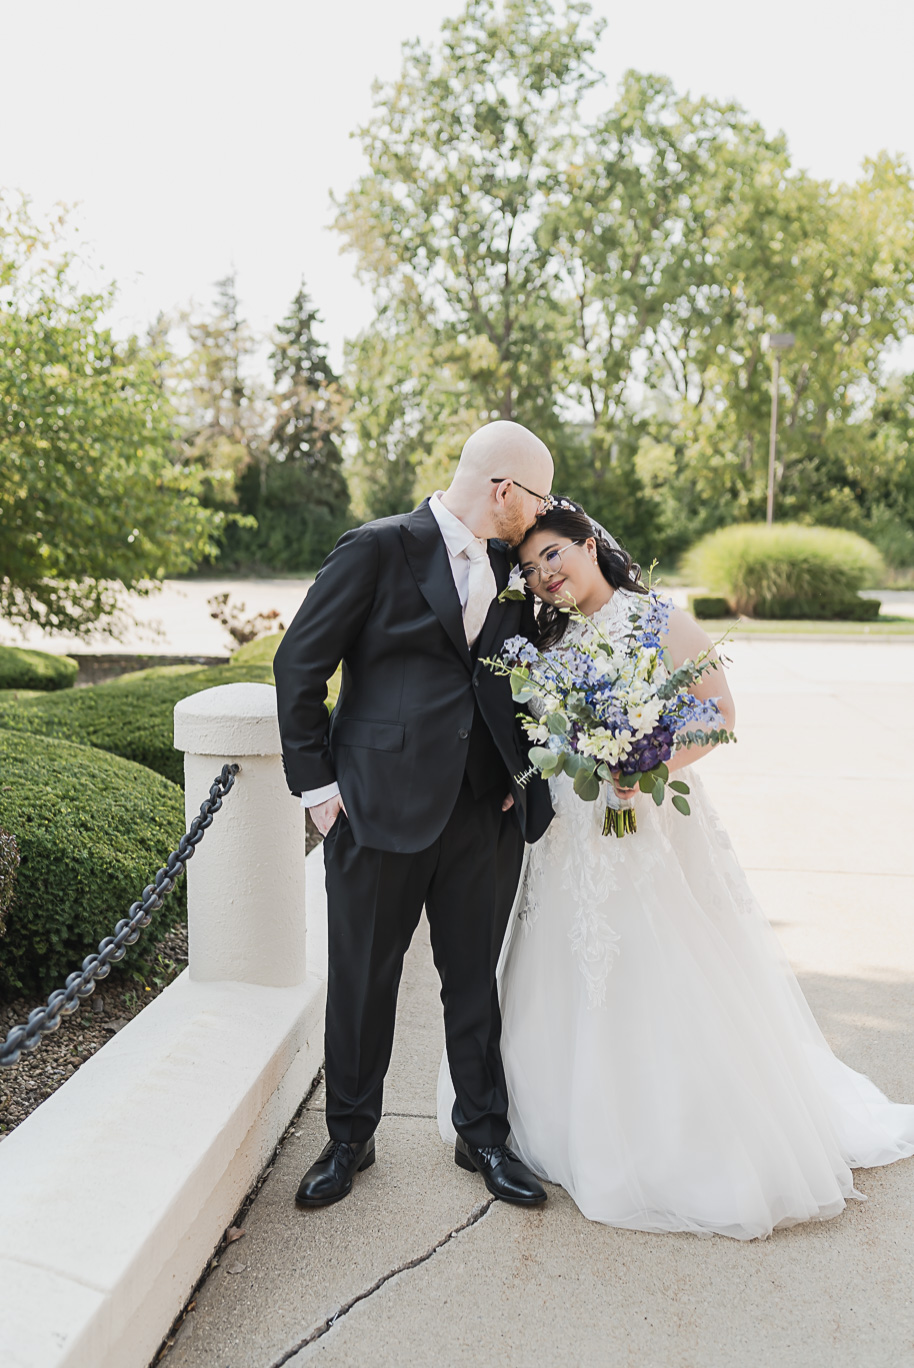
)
(81, 984)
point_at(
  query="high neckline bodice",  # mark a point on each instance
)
(612, 618)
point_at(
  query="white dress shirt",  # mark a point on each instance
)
(457, 537)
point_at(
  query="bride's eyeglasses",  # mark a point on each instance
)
(551, 564)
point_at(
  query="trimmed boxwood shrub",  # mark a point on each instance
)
(260, 652)
(854, 609)
(9, 869)
(132, 716)
(787, 570)
(21, 669)
(92, 830)
(704, 606)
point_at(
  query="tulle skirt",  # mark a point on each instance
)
(663, 1065)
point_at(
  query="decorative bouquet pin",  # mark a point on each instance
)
(602, 710)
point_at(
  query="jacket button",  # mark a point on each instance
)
(463, 734)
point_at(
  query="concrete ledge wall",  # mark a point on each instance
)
(116, 1190)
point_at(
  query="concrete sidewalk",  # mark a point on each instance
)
(418, 1267)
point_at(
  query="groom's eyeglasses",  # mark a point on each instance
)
(546, 500)
(551, 564)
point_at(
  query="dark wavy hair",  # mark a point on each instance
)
(568, 519)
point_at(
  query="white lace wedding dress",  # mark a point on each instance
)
(663, 1065)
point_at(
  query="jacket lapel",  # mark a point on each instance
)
(427, 556)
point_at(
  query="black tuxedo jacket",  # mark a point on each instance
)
(385, 604)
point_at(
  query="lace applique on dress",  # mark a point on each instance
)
(576, 849)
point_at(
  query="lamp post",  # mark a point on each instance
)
(775, 343)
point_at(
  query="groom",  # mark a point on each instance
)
(413, 784)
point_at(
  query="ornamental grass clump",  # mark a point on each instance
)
(788, 571)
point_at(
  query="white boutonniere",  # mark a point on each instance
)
(515, 588)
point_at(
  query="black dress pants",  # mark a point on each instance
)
(467, 880)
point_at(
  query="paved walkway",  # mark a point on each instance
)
(417, 1267)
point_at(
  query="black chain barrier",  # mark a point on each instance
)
(81, 984)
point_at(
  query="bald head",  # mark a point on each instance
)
(503, 472)
(507, 451)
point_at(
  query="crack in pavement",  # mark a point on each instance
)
(412, 1116)
(318, 1333)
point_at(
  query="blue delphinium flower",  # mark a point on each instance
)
(652, 621)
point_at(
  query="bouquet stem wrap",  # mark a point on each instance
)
(619, 818)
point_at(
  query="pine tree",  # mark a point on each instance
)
(299, 496)
(220, 405)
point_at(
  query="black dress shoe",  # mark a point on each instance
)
(502, 1172)
(330, 1176)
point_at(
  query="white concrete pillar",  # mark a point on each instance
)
(246, 880)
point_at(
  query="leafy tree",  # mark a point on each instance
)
(298, 494)
(465, 150)
(684, 236)
(90, 500)
(610, 284)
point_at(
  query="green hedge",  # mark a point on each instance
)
(92, 830)
(21, 669)
(9, 871)
(132, 717)
(787, 571)
(260, 652)
(705, 606)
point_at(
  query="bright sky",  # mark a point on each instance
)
(197, 135)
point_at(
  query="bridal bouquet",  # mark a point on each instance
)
(604, 710)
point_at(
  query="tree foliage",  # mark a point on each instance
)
(219, 403)
(608, 280)
(90, 500)
(297, 492)
(465, 152)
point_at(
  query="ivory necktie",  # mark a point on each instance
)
(481, 589)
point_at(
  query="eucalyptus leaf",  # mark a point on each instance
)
(679, 787)
(681, 805)
(557, 723)
(523, 694)
(658, 792)
(587, 786)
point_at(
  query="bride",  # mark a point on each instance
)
(663, 1065)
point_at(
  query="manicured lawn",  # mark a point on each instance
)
(884, 626)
